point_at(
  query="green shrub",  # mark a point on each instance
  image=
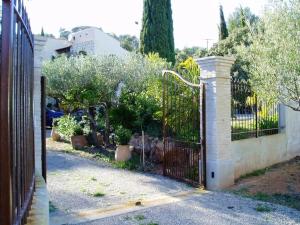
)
(263, 208)
(131, 164)
(67, 127)
(138, 111)
(268, 123)
(123, 135)
(78, 131)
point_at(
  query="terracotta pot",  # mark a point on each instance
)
(78, 142)
(54, 135)
(122, 153)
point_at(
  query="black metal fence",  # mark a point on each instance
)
(251, 116)
(17, 177)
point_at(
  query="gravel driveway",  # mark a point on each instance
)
(207, 209)
(78, 185)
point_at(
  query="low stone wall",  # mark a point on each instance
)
(258, 153)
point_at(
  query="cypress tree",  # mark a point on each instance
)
(223, 32)
(42, 32)
(157, 29)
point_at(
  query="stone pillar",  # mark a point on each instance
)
(215, 71)
(39, 43)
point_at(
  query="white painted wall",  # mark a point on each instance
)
(95, 42)
(258, 153)
(50, 47)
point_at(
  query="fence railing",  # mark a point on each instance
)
(250, 115)
(17, 177)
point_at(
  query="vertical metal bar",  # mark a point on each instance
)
(256, 117)
(164, 123)
(43, 127)
(6, 214)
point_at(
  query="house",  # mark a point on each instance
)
(91, 41)
(94, 41)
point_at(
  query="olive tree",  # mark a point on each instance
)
(82, 82)
(274, 54)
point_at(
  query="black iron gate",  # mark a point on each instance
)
(183, 129)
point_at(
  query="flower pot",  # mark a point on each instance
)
(78, 142)
(54, 135)
(122, 153)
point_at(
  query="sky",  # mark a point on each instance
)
(193, 20)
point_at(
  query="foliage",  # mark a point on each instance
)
(241, 17)
(223, 32)
(63, 33)
(52, 207)
(140, 103)
(78, 131)
(242, 24)
(128, 42)
(190, 70)
(290, 200)
(127, 90)
(74, 81)
(274, 54)
(123, 135)
(98, 194)
(141, 111)
(131, 164)
(67, 126)
(229, 46)
(267, 119)
(255, 173)
(157, 29)
(184, 54)
(43, 34)
(263, 208)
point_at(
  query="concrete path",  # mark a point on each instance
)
(86, 192)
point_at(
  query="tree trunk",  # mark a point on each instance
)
(93, 127)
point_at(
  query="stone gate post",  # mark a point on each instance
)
(39, 43)
(215, 72)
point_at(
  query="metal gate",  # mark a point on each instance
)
(183, 129)
(17, 167)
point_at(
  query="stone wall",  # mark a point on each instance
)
(258, 153)
(227, 160)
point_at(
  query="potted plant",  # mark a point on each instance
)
(78, 140)
(123, 136)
